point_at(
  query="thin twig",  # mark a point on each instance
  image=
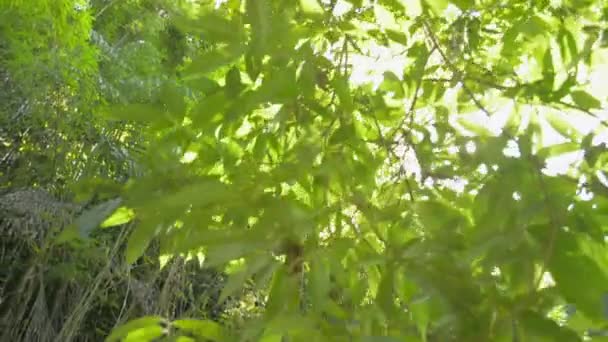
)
(586, 111)
(453, 68)
(104, 8)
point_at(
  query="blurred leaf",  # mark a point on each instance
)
(215, 28)
(568, 266)
(210, 61)
(133, 325)
(540, 328)
(92, 218)
(139, 240)
(464, 4)
(319, 282)
(136, 112)
(237, 280)
(560, 125)
(386, 295)
(438, 6)
(436, 216)
(585, 100)
(151, 333)
(233, 82)
(397, 36)
(200, 328)
(120, 216)
(311, 7)
(476, 128)
(558, 149)
(259, 15)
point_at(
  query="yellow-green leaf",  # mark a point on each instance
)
(201, 328)
(311, 7)
(133, 325)
(437, 6)
(122, 215)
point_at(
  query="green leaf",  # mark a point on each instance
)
(233, 82)
(475, 128)
(291, 324)
(215, 28)
(561, 126)
(284, 294)
(578, 277)
(120, 216)
(437, 6)
(259, 15)
(253, 64)
(319, 282)
(200, 194)
(136, 112)
(204, 329)
(380, 339)
(464, 4)
(585, 100)
(344, 94)
(208, 112)
(558, 149)
(221, 254)
(212, 60)
(540, 328)
(311, 7)
(148, 334)
(567, 46)
(139, 240)
(396, 36)
(385, 295)
(236, 280)
(392, 84)
(134, 325)
(92, 218)
(548, 70)
(436, 216)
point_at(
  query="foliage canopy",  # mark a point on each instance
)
(389, 170)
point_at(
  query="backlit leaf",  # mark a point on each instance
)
(585, 100)
(200, 328)
(437, 6)
(133, 325)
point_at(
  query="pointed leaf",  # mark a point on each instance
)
(558, 149)
(138, 241)
(437, 6)
(120, 216)
(204, 329)
(311, 7)
(585, 100)
(212, 60)
(136, 324)
(92, 218)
